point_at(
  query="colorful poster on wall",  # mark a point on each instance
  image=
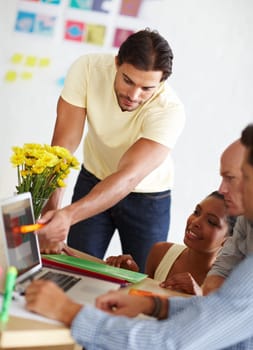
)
(120, 35)
(29, 22)
(74, 30)
(53, 2)
(91, 5)
(101, 5)
(44, 24)
(95, 34)
(25, 21)
(81, 4)
(130, 7)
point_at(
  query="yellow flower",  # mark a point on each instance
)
(41, 169)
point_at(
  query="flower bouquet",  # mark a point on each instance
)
(41, 169)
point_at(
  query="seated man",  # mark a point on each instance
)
(241, 243)
(221, 320)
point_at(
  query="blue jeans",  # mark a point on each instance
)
(141, 219)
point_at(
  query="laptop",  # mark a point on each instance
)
(22, 251)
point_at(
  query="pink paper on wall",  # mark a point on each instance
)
(130, 7)
(120, 36)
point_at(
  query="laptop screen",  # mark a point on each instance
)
(22, 249)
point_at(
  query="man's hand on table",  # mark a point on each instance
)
(46, 247)
(118, 303)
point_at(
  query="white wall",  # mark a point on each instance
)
(212, 42)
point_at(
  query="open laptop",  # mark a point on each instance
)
(22, 251)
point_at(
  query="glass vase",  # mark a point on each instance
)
(38, 205)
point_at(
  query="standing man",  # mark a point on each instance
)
(133, 121)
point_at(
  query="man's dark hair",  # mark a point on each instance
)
(247, 141)
(147, 50)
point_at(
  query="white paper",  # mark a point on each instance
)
(18, 309)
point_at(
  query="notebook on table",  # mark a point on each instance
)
(22, 251)
(93, 268)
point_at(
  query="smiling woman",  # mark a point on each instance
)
(184, 267)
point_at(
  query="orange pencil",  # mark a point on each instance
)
(146, 293)
(27, 228)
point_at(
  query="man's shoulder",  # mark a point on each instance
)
(242, 223)
(166, 97)
(243, 235)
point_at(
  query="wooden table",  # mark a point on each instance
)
(29, 334)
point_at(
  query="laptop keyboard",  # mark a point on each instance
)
(62, 280)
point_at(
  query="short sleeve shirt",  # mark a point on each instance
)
(110, 132)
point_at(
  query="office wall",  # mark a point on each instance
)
(213, 73)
